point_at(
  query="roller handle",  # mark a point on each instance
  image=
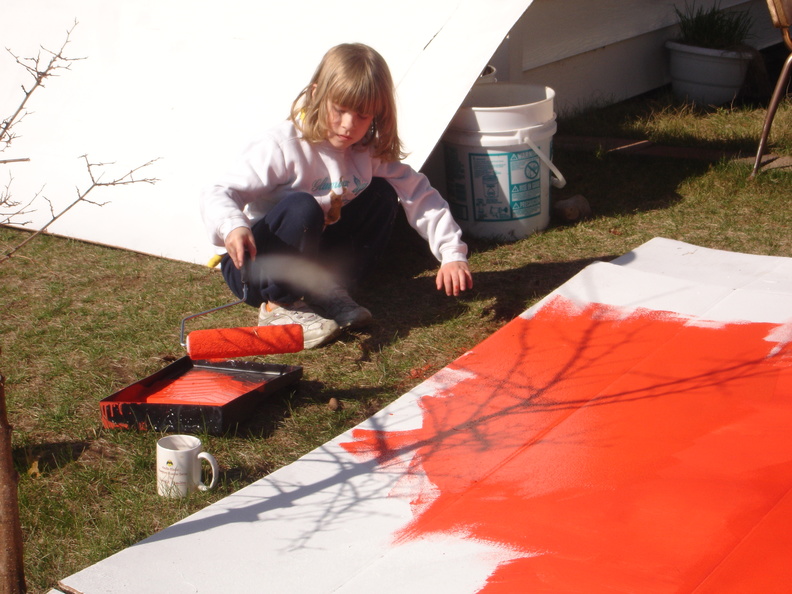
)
(244, 275)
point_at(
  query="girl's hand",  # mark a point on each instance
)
(239, 241)
(454, 277)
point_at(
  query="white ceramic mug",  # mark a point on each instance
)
(179, 459)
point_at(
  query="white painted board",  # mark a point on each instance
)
(189, 83)
(330, 521)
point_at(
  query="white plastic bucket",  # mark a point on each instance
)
(498, 152)
(488, 75)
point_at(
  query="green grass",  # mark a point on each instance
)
(659, 118)
(80, 321)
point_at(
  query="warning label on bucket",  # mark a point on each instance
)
(504, 186)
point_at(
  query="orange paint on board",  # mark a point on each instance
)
(619, 451)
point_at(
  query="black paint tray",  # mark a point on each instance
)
(196, 396)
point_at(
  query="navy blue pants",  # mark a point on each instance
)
(348, 248)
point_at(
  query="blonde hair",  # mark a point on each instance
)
(356, 77)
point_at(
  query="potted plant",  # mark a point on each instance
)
(709, 60)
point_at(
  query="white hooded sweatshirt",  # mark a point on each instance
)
(281, 163)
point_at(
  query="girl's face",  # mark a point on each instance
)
(345, 127)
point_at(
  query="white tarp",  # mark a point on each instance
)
(189, 83)
(334, 521)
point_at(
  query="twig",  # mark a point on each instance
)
(40, 71)
(6, 218)
(126, 179)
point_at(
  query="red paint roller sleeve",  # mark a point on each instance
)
(225, 343)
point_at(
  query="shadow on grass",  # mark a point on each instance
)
(418, 302)
(617, 184)
(40, 458)
(514, 290)
(271, 413)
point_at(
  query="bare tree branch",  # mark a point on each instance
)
(16, 209)
(128, 178)
(40, 68)
(43, 66)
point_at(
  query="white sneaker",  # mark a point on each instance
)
(337, 304)
(316, 329)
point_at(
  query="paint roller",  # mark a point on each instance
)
(227, 343)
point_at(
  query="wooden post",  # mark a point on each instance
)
(12, 571)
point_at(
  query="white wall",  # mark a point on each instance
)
(601, 51)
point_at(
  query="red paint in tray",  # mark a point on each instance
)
(200, 386)
(196, 396)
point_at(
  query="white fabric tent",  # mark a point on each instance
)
(188, 83)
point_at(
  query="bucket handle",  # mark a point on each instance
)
(558, 181)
